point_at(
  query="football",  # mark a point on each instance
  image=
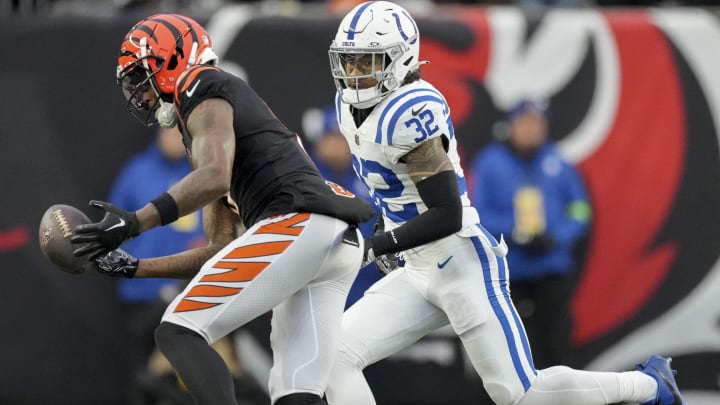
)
(56, 228)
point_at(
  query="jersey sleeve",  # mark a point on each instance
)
(197, 84)
(413, 122)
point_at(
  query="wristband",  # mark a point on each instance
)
(167, 208)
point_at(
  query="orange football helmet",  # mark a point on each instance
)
(152, 56)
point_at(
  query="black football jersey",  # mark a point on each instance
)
(272, 174)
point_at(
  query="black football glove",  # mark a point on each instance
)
(99, 238)
(117, 263)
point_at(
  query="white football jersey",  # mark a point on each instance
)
(406, 118)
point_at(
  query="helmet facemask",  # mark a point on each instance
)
(354, 71)
(136, 82)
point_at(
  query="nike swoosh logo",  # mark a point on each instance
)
(443, 264)
(190, 92)
(118, 225)
(414, 113)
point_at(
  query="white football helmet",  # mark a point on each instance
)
(386, 36)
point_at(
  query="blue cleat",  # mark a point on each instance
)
(659, 368)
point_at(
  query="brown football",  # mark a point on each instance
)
(56, 228)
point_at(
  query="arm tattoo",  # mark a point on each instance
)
(427, 159)
(219, 224)
(213, 151)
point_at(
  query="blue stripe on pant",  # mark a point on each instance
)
(496, 301)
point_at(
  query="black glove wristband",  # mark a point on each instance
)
(167, 208)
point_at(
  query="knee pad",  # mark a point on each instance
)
(300, 398)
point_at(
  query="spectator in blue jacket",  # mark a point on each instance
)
(525, 190)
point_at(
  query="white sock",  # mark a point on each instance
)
(638, 386)
(562, 385)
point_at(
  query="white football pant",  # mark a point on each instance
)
(463, 280)
(296, 266)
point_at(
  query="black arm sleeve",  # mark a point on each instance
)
(444, 217)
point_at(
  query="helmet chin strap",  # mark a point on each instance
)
(165, 114)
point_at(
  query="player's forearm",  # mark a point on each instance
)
(443, 217)
(193, 192)
(183, 265)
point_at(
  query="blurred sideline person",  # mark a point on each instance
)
(147, 174)
(330, 152)
(524, 188)
(401, 136)
(299, 254)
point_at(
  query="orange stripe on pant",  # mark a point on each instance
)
(190, 305)
(288, 226)
(240, 271)
(212, 291)
(204, 291)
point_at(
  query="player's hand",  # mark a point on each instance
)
(99, 238)
(386, 263)
(117, 263)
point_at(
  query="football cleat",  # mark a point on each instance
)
(659, 369)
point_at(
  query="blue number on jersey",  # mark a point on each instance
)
(380, 196)
(424, 127)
